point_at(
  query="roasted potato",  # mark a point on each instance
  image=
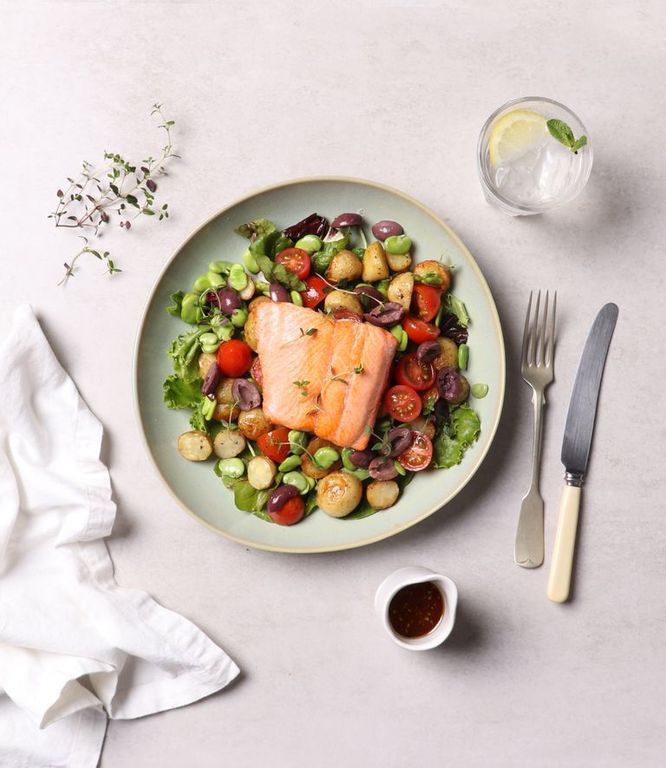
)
(400, 289)
(399, 262)
(195, 446)
(248, 292)
(308, 467)
(339, 300)
(436, 268)
(339, 493)
(206, 359)
(228, 443)
(225, 410)
(261, 472)
(423, 424)
(375, 266)
(250, 329)
(253, 423)
(382, 493)
(448, 356)
(344, 265)
(464, 391)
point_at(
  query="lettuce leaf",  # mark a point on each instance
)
(456, 436)
(179, 393)
(176, 303)
(455, 306)
(202, 413)
(255, 228)
(184, 352)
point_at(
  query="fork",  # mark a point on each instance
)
(536, 368)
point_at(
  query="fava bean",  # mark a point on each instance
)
(397, 244)
(382, 286)
(399, 468)
(221, 267)
(250, 262)
(208, 338)
(479, 390)
(297, 441)
(463, 356)
(210, 349)
(362, 474)
(202, 283)
(237, 277)
(326, 457)
(190, 311)
(396, 331)
(310, 243)
(238, 317)
(291, 462)
(298, 480)
(296, 298)
(404, 340)
(215, 280)
(233, 468)
(346, 461)
(311, 482)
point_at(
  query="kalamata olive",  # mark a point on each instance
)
(246, 394)
(386, 228)
(228, 300)
(211, 380)
(374, 297)
(451, 329)
(310, 225)
(427, 351)
(361, 459)
(385, 315)
(280, 496)
(400, 439)
(449, 384)
(382, 468)
(347, 220)
(279, 292)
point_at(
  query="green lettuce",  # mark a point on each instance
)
(455, 437)
(176, 300)
(184, 352)
(255, 228)
(179, 393)
(455, 306)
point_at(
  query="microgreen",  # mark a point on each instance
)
(562, 132)
(302, 384)
(309, 332)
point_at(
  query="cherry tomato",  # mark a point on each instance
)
(418, 330)
(429, 398)
(296, 261)
(346, 314)
(426, 300)
(410, 371)
(314, 293)
(402, 403)
(290, 513)
(274, 444)
(255, 371)
(419, 454)
(234, 358)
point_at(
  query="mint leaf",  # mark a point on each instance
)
(579, 144)
(560, 130)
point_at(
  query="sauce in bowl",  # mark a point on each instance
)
(416, 609)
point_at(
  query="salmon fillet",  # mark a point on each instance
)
(290, 352)
(328, 380)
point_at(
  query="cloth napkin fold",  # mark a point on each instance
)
(74, 646)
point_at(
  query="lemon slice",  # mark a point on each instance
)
(514, 134)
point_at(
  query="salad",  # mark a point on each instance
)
(403, 401)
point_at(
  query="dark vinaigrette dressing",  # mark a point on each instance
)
(415, 610)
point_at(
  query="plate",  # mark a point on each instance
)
(195, 485)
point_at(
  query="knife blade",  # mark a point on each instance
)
(576, 445)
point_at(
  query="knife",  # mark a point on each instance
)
(576, 447)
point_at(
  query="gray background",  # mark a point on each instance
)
(396, 94)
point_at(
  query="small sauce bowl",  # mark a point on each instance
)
(409, 576)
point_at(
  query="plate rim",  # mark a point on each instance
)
(398, 528)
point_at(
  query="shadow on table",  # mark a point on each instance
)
(467, 636)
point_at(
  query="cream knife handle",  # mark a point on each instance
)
(559, 580)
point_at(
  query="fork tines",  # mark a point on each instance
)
(539, 333)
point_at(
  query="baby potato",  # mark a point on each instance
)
(250, 328)
(375, 265)
(340, 300)
(345, 265)
(438, 269)
(228, 443)
(339, 493)
(308, 467)
(400, 289)
(423, 424)
(399, 262)
(225, 410)
(253, 423)
(248, 292)
(448, 355)
(382, 493)
(195, 446)
(206, 359)
(261, 472)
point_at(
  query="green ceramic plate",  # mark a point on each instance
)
(195, 485)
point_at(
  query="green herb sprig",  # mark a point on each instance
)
(119, 189)
(559, 130)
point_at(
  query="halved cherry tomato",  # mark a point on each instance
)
(234, 358)
(346, 314)
(410, 371)
(418, 330)
(275, 444)
(426, 300)
(419, 454)
(402, 403)
(290, 513)
(296, 260)
(314, 293)
(256, 372)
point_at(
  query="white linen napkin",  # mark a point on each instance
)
(74, 646)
